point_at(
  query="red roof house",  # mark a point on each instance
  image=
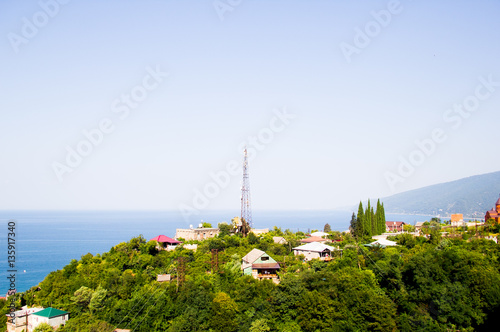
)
(394, 226)
(165, 242)
(493, 213)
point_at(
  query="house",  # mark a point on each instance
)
(394, 226)
(20, 321)
(260, 265)
(313, 239)
(315, 250)
(53, 317)
(457, 220)
(259, 231)
(165, 243)
(493, 213)
(419, 225)
(381, 243)
(320, 234)
(163, 278)
(199, 233)
(279, 240)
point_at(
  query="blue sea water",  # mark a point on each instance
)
(48, 240)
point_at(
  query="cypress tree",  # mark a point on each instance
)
(374, 222)
(361, 221)
(368, 220)
(382, 215)
(380, 229)
(354, 225)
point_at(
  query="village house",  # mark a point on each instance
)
(165, 243)
(199, 233)
(320, 234)
(381, 243)
(260, 266)
(493, 213)
(53, 317)
(314, 250)
(259, 231)
(279, 240)
(394, 226)
(21, 320)
(163, 278)
(313, 239)
(457, 220)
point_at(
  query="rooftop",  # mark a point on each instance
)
(50, 312)
(164, 239)
(315, 246)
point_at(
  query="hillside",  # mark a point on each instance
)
(360, 289)
(472, 196)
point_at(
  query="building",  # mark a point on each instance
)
(315, 250)
(259, 231)
(260, 265)
(382, 243)
(21, 321)
(165, 243)
(394, 226)
(313, 239)
(493, 213)
(457, 220)
(53, 317)
(320, 234)
(279, 240)
(163, 278)
(199, 233)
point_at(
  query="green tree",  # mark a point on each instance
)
(360, 230)
(368, 220)
(225, 229)
(354, 225)
(97, 300)
(206, 225)
(224, 311)
(260, 325)
(82, 297)
(43, 327)
(327, 228)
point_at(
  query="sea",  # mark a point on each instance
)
(47, 241)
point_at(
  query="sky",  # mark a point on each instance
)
(147, 105)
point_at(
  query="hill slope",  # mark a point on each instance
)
(472, 196)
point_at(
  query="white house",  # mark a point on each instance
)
(54, 317)
(382, 243)
(21, 319)
(314, 250)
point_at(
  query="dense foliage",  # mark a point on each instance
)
(417, 286)
(368, 222)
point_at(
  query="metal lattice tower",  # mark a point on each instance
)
(246, 209)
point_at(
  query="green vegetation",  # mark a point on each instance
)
(421, 285)
(368, 223)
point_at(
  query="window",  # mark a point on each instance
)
(265, 258)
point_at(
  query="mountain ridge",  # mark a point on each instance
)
(472, 196)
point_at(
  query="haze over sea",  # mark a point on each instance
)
(48, 240)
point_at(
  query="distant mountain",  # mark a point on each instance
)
(472, 196)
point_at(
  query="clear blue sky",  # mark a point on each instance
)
(354, 116)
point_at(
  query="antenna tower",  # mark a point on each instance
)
(246, 210)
